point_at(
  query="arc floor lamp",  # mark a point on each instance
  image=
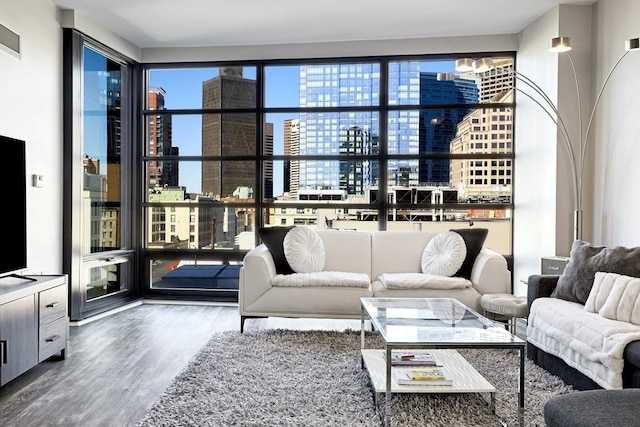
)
(537, 95)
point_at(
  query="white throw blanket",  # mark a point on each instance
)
(322, 278)
(588, 342)
(422, 281)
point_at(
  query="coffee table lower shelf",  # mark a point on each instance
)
(465, 377)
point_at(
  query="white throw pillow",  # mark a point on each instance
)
(623, 302)
(602, 285)
(304, 250)
(444, 254)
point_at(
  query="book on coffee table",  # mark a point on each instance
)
(427, 376)
(413, 358)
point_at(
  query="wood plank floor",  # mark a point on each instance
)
(118, 366)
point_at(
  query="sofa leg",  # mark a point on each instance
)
(243, 318)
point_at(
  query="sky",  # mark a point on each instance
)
(183, 90)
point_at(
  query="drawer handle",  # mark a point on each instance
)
(53, 304)
(53, 338)
(3, 352)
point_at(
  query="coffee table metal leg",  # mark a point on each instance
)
(362, 314)
(387, 399)
(521, 397)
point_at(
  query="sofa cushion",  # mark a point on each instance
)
(422, 281)
(336, 279)
(602, 285)
(273, 238)
(444, 254)
(304, 250)
(623, 302)
(474, 239)
(586, 260)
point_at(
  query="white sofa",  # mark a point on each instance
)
(366, 255)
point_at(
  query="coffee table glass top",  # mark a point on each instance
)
(435, 321)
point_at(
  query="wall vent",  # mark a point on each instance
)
(9, 41)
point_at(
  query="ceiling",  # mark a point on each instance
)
(181, 23)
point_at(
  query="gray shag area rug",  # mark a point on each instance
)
(314, 378)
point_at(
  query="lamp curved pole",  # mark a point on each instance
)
(568, 146)
(575, 79)
(559, 123)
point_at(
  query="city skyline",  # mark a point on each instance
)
(183, 90)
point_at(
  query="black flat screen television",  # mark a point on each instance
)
(14, 209)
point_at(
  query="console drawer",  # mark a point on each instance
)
(52, 338)
(53, 304)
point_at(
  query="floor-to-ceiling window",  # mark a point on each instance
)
(391, 143)
(99, 135)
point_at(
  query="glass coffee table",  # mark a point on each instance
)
(441, 325)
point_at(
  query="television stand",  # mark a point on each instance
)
(20, 276)
(34, 324)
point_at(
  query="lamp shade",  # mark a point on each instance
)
(632, 44)
(560, 44)
(445, 77)
(464, 65)
(483, 64)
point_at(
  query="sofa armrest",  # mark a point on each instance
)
(256, 273)
(540, 285)
(490, 274)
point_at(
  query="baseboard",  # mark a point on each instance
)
(148, 301)
(105, 314)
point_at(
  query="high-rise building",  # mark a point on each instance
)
(487, 131)
(497, 80)
(159, 142)
(438, 127)
(268, 165)
(228, 134)
(291, 145)
(170, 169)
(403, 126)
(333, 85)
(354, 174)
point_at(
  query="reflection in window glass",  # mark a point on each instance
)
(102, 147)
(104, 278)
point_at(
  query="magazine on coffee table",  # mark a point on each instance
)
(413, 358)
(427, 376)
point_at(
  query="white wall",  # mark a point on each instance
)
(616, 171)
(31, 110)
(536, 155)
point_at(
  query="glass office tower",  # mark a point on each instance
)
(356, 132)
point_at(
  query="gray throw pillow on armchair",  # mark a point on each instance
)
(586, 260)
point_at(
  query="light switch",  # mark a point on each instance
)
(38, 180)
